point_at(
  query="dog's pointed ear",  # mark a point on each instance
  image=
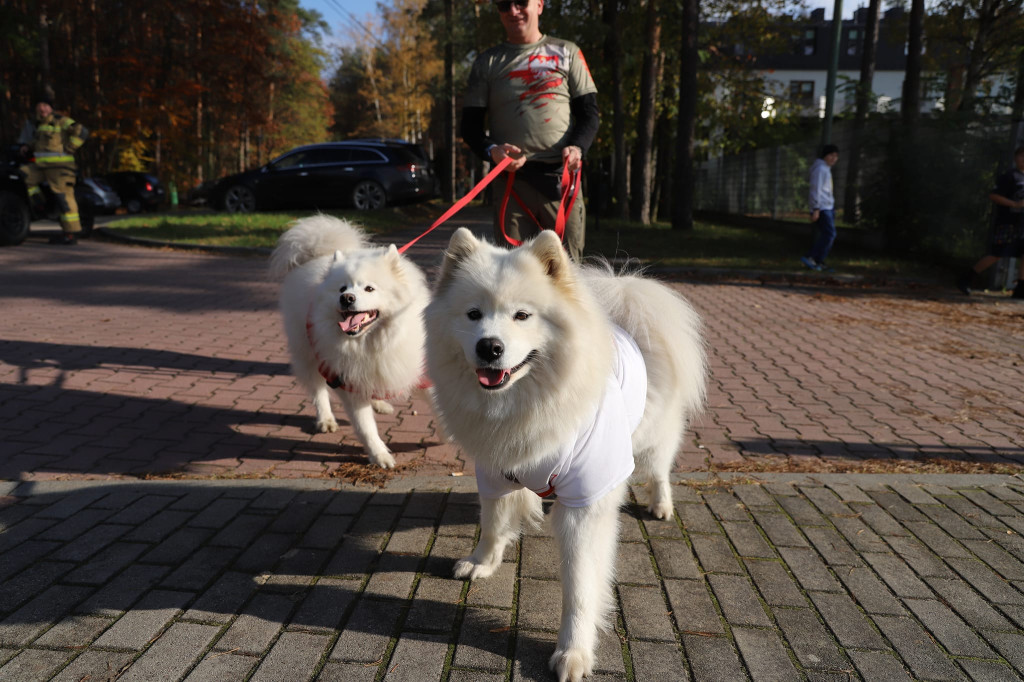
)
(338, 256)
(460, 247)
(547, 248)
(392, 254)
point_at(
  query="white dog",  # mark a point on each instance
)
(354, 318)
(555, 379)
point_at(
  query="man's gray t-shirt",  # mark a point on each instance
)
(526, 90)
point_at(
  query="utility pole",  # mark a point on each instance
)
(833, 68)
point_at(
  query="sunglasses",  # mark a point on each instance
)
(506, 5)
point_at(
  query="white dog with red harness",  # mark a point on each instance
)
(353, 316)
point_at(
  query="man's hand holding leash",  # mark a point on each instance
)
(500, 151)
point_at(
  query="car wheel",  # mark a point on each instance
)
(14, 219)
(133, 205)
(239, 199)
(368, 195)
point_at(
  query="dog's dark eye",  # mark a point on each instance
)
(368, 288)
(342, 290)
(521, 315)
(474, 314)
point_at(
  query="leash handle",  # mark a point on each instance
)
(461, 203)
(570, 190)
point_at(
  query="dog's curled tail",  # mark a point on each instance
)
(312, 237)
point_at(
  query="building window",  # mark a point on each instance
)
(801, 93)
(853, 37)
(808, 42)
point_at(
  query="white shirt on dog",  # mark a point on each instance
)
(600, 456)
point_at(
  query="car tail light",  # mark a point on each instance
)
(411, 167)
(149, 186)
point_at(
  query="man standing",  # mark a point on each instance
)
(823, 204)
(1008, 230)
(54, 138)
(540, 106)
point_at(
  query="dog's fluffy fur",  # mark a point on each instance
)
(363, 306)
(553, 321)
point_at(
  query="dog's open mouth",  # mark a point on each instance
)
(491, 378)
(353, 322)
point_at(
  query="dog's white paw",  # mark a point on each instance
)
(382, 459)
(472, 569)
(382, 407)
(660, 510)
(326, 425)
(572, 665)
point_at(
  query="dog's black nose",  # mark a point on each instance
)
(347, 300)
(489, 349)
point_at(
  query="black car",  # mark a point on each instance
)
(14, 213)
(365, 174)
(138, 191)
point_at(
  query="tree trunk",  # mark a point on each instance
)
(448, 185)
(911, 109)
(642, 156)
(985, 24)
(682, 209)
(860, 119)
(613, 53)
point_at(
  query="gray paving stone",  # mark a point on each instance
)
(850, 626)
(20, 627)
(410, 537)
(875, 665)
(969, 604)
(347, 672)
(545, 600)
(393, 577)
(715, 554)
(119, 594)
(747, 540)
(159, 527)
(826, 501)
(920, 558)
(33, 664)
(738, 601)
(938, 540)
(802, 512)
(913, 493)
(832, 547)
(692, 607)
(326, 532)
(417, 657)
(460, 520)
(173, 654)
(145, 620)
(533, 649)
(753, 495)
(276, 499)
(952, 523)
(484, 639)
(765, 656)
(102, 567)
(445, 552)
(914, 645)
(93, 665)
(713, 659)
(898, 508)
(725, 506)
(356, 555)
(178, 547)
(218, 514)
(200, 569)
(675, 559)
(780, 530)
(224, 598)
(300, 565)
(775, 583)
(73, 632)
(241, 531)
(368, 632)
(77, 525)
(89, 543)
(221, 667)
(697, 518)
(870, 592)
(69, 505)
(952, 632)
(984, 580)
(811, 642)
(436, 602)
(325, 604)
(30, 582)
(633, 565)
(879, 519)
(989, 671)
(974, 514)
(997, 559)
(1010, 646)
(809, 569)
(681, 492)
(258, 625)
(859, 535)
(537, 558)
(294, 656)
(898, 576)
(658, 661)
(498, 590)
(645, 613)
(26, 554)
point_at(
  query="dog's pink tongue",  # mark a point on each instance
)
(491, 377)
(353, 321)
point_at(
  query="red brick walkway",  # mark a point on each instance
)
(126, 361)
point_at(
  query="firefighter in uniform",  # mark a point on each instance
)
(54, 138)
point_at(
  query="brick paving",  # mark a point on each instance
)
(120, 364)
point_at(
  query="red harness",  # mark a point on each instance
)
(335, 380)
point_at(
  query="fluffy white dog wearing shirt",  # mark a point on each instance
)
(557, 380)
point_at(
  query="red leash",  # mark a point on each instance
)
(564, 208)
(461, 203)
